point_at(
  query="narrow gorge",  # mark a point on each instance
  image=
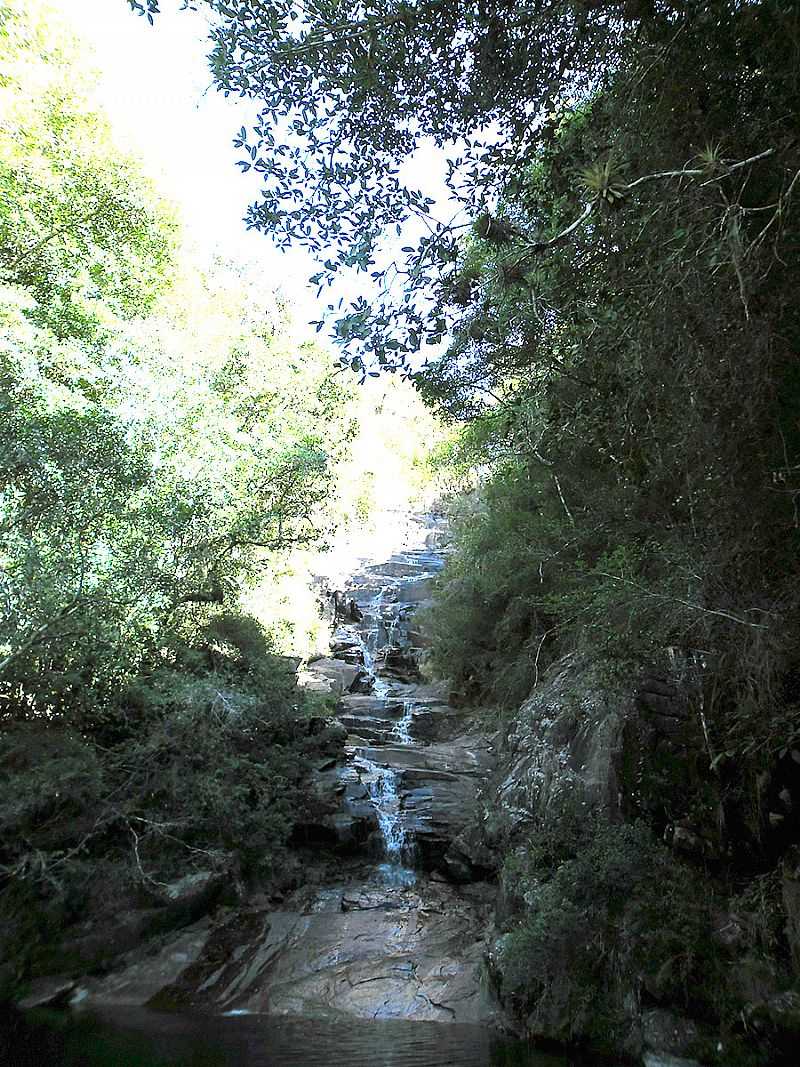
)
(392, 919)
(410, 899)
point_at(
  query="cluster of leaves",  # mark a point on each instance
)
(349, 91)
(123, 526)
(80, 228)
(630, 387)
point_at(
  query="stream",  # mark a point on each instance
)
(378, 959)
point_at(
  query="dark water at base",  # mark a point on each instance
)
(148, 1039)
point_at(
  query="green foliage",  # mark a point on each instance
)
(80, 228)
(610, 372)
(201, 772)
(240, 633)
(625, 390)
(619, 904)
(349, 93)
(163, 449)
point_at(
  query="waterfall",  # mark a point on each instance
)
(383, 791)
(386, 697)
(382, 782)
(369, 645)
(401, 729)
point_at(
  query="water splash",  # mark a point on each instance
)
(393, 874)
(401, 731)
(383, 792)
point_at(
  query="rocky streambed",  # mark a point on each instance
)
(394, 919)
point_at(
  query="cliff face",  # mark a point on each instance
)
(635, 914)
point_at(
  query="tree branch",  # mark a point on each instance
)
(685, 603)
(12, 266)
(693, 172)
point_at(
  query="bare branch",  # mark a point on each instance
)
(686, 172)
(685, 603)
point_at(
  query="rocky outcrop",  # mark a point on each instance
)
(588, 749)
(335, 676)
(563, 752)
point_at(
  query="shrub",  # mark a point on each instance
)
(620, 905)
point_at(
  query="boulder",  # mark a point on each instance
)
(144, 973)
(192, 896)
(329, 676)
(341, 817)
(345, 644)
(401, 663)
(564, 749)
(436, 723)
(662, 1059)
(97, 943)
(415, 590)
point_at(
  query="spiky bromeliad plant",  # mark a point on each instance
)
(605, 182)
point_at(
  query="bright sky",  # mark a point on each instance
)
(156, 88)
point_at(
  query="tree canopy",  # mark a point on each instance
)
(349, 92)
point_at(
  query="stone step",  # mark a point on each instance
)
(356, 704)
(375, 730)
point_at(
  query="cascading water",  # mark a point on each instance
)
(383, 790)
(383, 597)
(382, 781)
(401, 731)
(369, 638)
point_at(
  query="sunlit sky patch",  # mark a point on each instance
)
(156, 88)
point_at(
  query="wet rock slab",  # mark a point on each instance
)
(365, 951)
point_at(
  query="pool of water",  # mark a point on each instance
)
(140, 1038)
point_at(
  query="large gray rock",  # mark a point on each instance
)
(364, 952)
(329, 676)
(192, 896)
(436, 723)
(562, 755)
(145, 972)
(48, 993)
(341, 815)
